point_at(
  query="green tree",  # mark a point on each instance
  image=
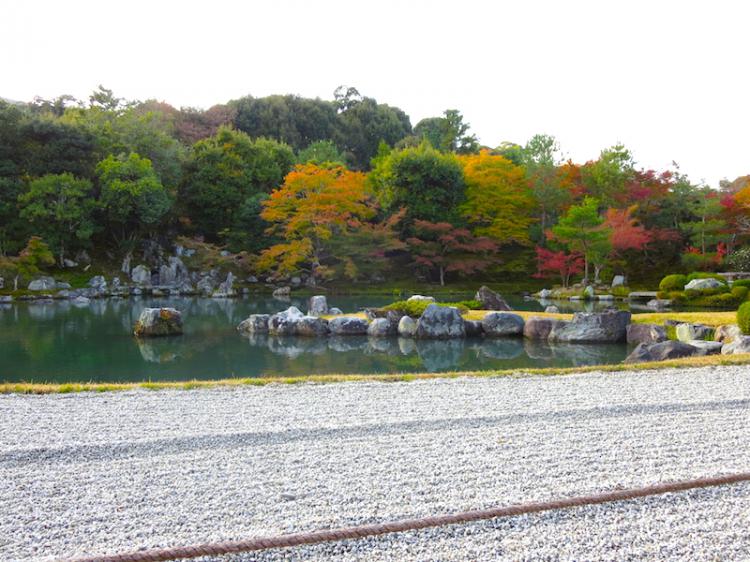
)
(427, 183)
(320, 152)
(133, 199)
(32, 259)
(582, 230)
(59, 207)
(448, 133)
(706, 227)
(605, 179)
(226, 178)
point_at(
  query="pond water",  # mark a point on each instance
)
(62, 342)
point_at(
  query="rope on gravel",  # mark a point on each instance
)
(298, 539)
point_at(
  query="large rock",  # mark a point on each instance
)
(740, 344)
(42, 284)
(254, 324)
(285, 323)
(440, 322)
(473, 328)
(645, 333)
(173, 273)
(689, 332)
(141, 276)
(502, 324)
(407, 327)
(312, 326)
(552, 309)
(282, 292)
(703, 284)
(727, 333)
(669, 349)
(158, 322)
(226, 288)
(659, 304)
(545, 294)
(539, 327)
(618, 281)
(382, 327)
(490, 299)
(335, 311)
(707, 347)
(317, 305)
(593, 327)
(347, 326)
(420, 298)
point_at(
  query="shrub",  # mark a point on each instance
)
(743, 318)
(620, 291)
(740, 259)
(675, 282)
(416, 308)
(741, 283)
(740, 292)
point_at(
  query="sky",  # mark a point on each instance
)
(668, 79)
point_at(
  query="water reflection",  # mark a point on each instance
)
(62, 341)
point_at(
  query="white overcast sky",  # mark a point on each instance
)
(669, 79)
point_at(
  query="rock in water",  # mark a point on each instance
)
(407, 327)
(473, 328)
(381, 327)
(317, 305)
(502, 324)
(539, 327)
(42, 284)
(312, 326)
(348, 326)
(592, 327)
(646, 333)
(490, 299)
(141, 276)
(155, 322)
(670, 349)
(254, 324)
(285, 323)
(440, 322)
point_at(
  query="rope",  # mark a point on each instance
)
(315, 537)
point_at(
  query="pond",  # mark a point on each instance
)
(63, 342)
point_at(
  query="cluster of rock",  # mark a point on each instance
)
(653, 343)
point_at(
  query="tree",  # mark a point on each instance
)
(582, 230)
(448, 133)
(427, 183)
(314, 204)
(445, 248)
(35, 256)
(226, 178)
(550, 263)
(605, 179)
(133, 199)
(498, 201)
(59, 207)
(321, 152)
(706, 228)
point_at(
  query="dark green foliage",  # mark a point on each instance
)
(743, 318)
(741, 283)
(740, 292)
(674, 282)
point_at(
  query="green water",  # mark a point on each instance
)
(62, 342)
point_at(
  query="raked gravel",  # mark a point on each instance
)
(105, 473)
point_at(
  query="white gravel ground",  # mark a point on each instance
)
(103, 473)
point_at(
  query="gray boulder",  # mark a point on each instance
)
(490, 299)
(708, 347)
(670, 349)
(593, 327)
(205, 285)
(690, 332)
(312, 326)
(282, 292)
(474, 328)
(382, 327)
(702, 284)
(173, 273)
(69, 263)
(155, 322)
(740, 344)
(348, 326)
(540, 327)
(335, 310)
(42, 284)
(502, 324)
(420, 298)
(645, 333)
(440, 322)
(545, 294)
(285, 323)
(552, 309)
(317, 305)
(727, 333)
(254, 324)
(659, 304)
(141, 276)
(98, 283)
(407, 327)
(588, 292)
(619, 281)
(63, 285)
(226, 288)
(186, 288)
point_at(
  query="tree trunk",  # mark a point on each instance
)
(442, 276)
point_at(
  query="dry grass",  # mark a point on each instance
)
(33, 388)
(707, 318)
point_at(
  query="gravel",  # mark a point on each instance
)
(105, 473)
